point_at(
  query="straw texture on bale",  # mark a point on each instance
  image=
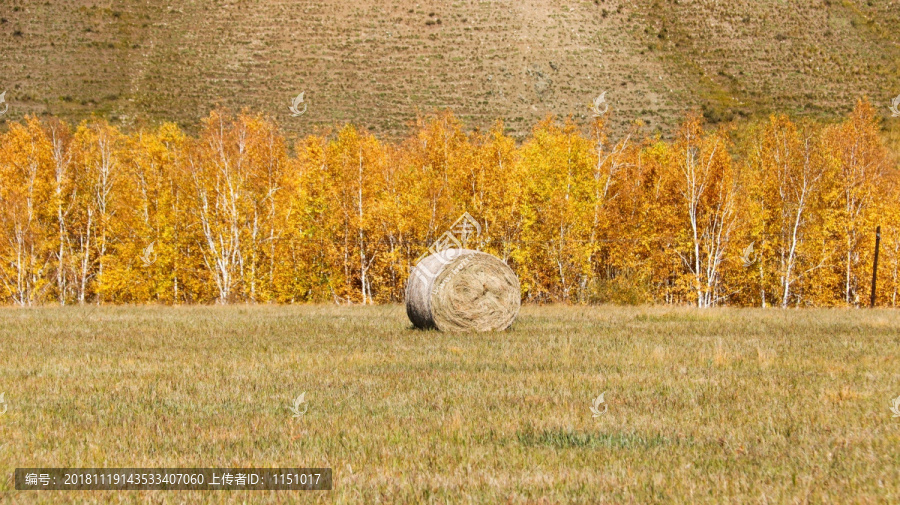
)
(462, 290)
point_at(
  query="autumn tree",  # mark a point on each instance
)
(558, 167)
(25, 164)
(96, 173)
(702, 176)
(237, 167)
(861, 160)
(783, 215)
(786, 179)
(354, 165)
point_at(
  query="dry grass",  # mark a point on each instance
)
(704, 406)
(376, 62)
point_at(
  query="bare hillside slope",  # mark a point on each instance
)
(376, 63)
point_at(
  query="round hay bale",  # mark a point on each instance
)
(462, 290)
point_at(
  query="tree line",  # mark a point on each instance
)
(782, 213)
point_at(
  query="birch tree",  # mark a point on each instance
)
(60, 138)
(706, 186)
(861, 159)
(788, 169)
(23, 162)
(216, 164)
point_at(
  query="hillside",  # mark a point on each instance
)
(139, 62)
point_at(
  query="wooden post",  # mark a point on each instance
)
(875, 265)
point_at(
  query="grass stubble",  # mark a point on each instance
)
(723, 405)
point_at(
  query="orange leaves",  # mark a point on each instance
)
(25, 167)
(233, 214)
(860, 164)
(557, 166)
(786, 184)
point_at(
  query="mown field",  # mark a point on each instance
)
(723, 405)
(379, 63)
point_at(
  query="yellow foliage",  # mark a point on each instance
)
(785, 217)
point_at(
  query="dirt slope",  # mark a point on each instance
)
(376, 62)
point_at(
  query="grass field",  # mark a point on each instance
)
(750, 406)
